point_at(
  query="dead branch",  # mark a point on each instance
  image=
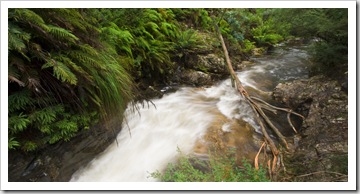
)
(278, 108)
(258, 107)
(289, 121)
(256, 161)
(320, 172)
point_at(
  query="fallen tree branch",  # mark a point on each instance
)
(319, 172)
(278, 108)
(257, 108)
(256, 161)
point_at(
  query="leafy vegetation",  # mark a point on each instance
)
(329, 27)
(71, 68)
(61, 76)
(217, 169)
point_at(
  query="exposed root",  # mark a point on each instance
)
(256, 161)
(289, 121)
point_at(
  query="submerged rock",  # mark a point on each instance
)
(322, 151)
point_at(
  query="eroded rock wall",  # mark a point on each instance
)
(321, 154)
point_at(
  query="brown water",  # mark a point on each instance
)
(193, 120)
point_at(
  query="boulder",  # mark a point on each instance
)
(211, 63)
(195, 78)
(322, 146)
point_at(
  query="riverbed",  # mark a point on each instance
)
(192, 120)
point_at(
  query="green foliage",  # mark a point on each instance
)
(248, 46)
(12, 143)
(18, 123)
(61, 72)
(189, 41)
(69, 68)
(194, 17)
(330, 57)
(29, 146)
(144, 39)
(217, 169)
(329, 27)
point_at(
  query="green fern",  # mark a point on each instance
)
(46, 115)
(27, 15)
(61, 71)
(18, 123)
(20, 100)
(17, 38)
(62, 34)
(12, 143)
(29, 146)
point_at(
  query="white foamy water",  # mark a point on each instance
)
(177, 122)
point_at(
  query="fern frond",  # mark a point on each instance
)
(46, 115)
(12, 143)
(66, 127)
(29, 146)
(20, 100)
(152, 15)
(85, 60)
(142, 43)
(153, 27)
(14, 75)
(29, 16)
(18, 123)
(62, 34)
(46, 129)
(17, 38)
(75, 67)
(169, 29)
(61, 71)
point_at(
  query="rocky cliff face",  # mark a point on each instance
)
(321, 152)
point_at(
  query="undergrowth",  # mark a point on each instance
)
(218, 168)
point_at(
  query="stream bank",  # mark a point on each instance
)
(321, 147)
(58, 162)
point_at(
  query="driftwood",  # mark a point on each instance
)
(257, 106)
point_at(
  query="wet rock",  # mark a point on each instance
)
(258, 52)
(244, 64)
(210, 63)
(59, 161)
(323, 144)
(196, 78)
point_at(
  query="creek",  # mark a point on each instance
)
(192, 119)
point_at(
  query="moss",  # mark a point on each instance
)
(340, 163)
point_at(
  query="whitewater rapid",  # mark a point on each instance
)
(152, 135)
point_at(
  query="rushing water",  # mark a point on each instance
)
(183, 120)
